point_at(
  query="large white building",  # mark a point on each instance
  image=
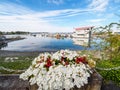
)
(82, 32)
(81, 36)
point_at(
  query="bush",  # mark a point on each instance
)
(109, 70)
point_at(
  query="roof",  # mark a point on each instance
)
(84, 28)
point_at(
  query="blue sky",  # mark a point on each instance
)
(56, 15)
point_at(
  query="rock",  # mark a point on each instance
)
(12, 82)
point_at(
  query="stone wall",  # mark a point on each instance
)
(12, 82)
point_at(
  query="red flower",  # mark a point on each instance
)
(77, 61)
(80, 59)
(49, 63)
(62, 58)
(66, 63)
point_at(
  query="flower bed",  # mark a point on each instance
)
(64, 69)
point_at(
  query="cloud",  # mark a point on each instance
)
(57, 2)
(95, 22)
(98, 5)
(13, 9)
(59, 14)
(17, 17)
(33, 26)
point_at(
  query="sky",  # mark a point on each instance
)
(56, 15)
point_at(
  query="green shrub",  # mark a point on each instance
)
(109, 70)
(110, 75)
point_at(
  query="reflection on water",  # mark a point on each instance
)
(81, 41)
(43, 44)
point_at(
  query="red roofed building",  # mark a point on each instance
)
(84, 28)
(82, 32)
(82, 35)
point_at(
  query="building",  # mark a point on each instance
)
(82, 35)
(82, 32)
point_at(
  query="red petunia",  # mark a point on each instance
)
(80, 59)
(66, 63)
(49, 63)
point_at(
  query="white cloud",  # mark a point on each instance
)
(99, 5)
(95, 22)
(15, 17)
(57, 2)
(18, 18)
(13, 9)
(34, 26)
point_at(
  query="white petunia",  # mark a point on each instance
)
(57, 77)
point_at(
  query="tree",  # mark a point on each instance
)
(111, 45)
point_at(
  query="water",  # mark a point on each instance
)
(42, 44)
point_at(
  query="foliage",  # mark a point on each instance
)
(110, 43)
(110, 49)
(112, 75)
(109, 75)
(113, 48)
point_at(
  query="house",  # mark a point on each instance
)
(82, 35)
(82, 32)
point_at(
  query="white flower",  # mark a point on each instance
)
(60, 76)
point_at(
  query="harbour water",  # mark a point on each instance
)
(43, 44)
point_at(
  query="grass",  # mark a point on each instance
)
(15, 63)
